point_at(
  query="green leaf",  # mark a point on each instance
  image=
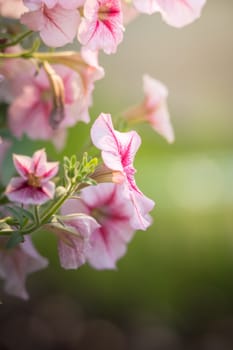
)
(14, 240)
(89, 181)
(20, 214)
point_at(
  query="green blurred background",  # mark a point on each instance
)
(174, 288)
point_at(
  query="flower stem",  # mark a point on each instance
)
(37, 215)
(48, 213)
(17, 40)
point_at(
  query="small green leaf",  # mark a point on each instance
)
(14, 240)
(90, 181)
(20, 214)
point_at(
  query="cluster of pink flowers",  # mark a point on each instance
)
(94, 210)
(98, 24)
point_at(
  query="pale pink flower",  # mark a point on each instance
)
(17, 263)
(155, 105)
(31, 112)
(71, 4)
(118, 152)
(14, 71)
(34, 185)
(106, 203)
(153, 109)
(12, 8)
(177, 13)
(56, 21)
(74, 232)
(101, 27)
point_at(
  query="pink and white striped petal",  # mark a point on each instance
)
(102, 25)
(57, 25)
(19, 191)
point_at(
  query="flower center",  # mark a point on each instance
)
(34, 180)
(100, 214)
(103, 13)
(106, 11)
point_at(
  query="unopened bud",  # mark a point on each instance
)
(103, 174)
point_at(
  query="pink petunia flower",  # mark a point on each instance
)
(57, 21)
(153, 109)
(107, 204)
(101, 27)
(74, 232)
(155, 105)
(31, 112)
(118, 152)
(177, 13)
(33, 185)
(14, 71)
(17, 263)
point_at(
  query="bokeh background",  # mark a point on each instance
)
(174, 288)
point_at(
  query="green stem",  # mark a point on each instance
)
(17, 40)
(48, 214)
(23, 54)
(54, 208)
(37, 215)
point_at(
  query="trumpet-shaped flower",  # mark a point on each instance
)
(101, 27)
(31, 112)
(57, 21)
(74, 232)
(118, 152)
(177, 13)
(34, 185)
(153, 109)
(14, 71)
(17, 263)
(106, 203)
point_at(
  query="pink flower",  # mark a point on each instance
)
(106, 203)
(74, 232)
(118, 152)
(56, 21)
(101, 27)
(14, 71)
(31, 112)
(17, 263)
(33, 185)
(153, 109)
(177, 13)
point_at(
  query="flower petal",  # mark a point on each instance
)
(16, 264)
(60, 26)
(43, 169)
(19, 191)
(23, 165)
